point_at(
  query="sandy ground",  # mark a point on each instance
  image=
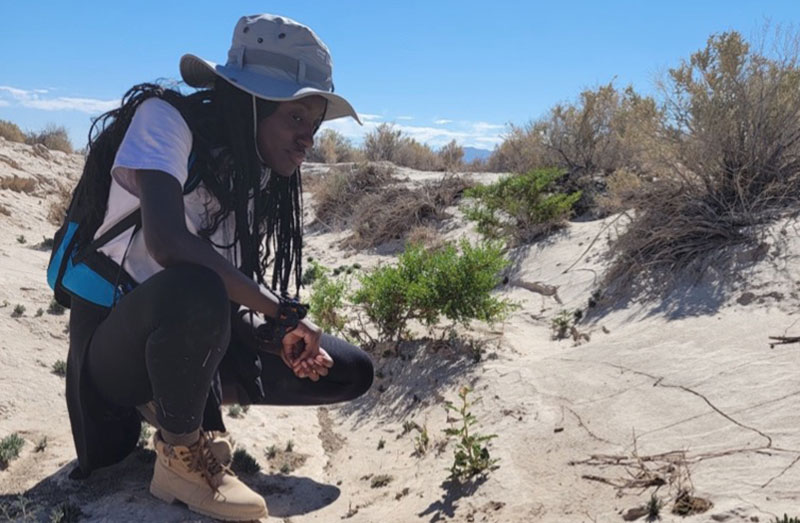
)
(686, 392)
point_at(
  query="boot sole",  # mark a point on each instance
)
(170, 498)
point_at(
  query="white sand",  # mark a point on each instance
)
(696, 374)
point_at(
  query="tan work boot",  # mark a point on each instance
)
(221, 443)
(194, 476)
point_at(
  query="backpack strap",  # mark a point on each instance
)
(134, 219)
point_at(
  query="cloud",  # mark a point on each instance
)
(405, 117)
(368, 117)
(442, 121)
(34, 99)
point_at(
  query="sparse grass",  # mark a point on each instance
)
(235, 411)
(18, 311)
(653, 508)
(144, 436)
(271, 452)
(290, 446)
(21, 239)
(421, 441)
(11, 132)
(563, 323)
(787, 519)
(285, 468)
(55, 308)
(39, 312)
(471, 455)
(66, 512)
(380, 480)
(60, 368)
(41, 445)
(381, 443)
(9, 449)
(21, 509)
(244, 463)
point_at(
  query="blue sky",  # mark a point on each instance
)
(439, 70)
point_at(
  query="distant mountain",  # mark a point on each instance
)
(470, 153)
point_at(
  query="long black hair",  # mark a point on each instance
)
(268, 216)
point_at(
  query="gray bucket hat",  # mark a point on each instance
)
(274, 58)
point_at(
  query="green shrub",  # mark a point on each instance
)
(9, 449)
(11, 132)
(327, 300)
(426, 285)
(471, 455)
(55, 308)
(244, 463)
(18, 311)
(59, 368)
(522, 207)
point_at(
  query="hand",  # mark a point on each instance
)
(301, 352)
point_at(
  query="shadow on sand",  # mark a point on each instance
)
(120, 493)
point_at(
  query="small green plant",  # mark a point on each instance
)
(271, 452)
(144, 436)
(285, 468)
(381, 480)
(39, 312)
(244, 463)
(290, 446)
(235, 411)
(60, 368)
(9, 449)
(55, 308)
(421, 441)
(787, 519)
(427, 285)
(66, 512)
(653, 508)
(47, 243)
(18, 311)
(21, 239)
(21, 509)
(471, 456)
(562, 324)
(41, 445)
(408, 426)
(381, 443)
(5, 304)
(522, 207)
(312, 271)
(327, 300)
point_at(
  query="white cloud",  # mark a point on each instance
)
(368, 117)
(405, 117)
(34, 99)
(442, 121)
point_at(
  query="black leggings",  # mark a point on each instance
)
(165, 340)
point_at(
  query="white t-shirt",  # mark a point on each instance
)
(158, 139)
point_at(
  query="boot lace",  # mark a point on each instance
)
(201, 459)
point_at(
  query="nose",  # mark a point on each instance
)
(305, 138)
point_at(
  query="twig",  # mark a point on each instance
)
(591, 244)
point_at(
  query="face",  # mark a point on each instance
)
(287, 134)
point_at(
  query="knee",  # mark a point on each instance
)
(363, 373)
(195, 294)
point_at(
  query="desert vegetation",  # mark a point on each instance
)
(53, 136)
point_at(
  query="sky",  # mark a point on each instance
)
(437, 70)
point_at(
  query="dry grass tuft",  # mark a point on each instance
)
(59, 207)
(18, 184)
(391, 214)
(425, 235)
(338, 193)
(11, 132)
(54, 137)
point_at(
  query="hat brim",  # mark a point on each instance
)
(200, 73)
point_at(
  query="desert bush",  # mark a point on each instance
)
(520, 208)
(338, 193)
(393, 212)
(451, 156)
(54, 137)
(418, 156)
(427, 285)
(11, 132)
(605, 130)
(733, 142)
(332, 147)
(58, 207)
(327, 301)
(383, 143)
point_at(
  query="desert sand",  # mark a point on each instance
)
(685, 391)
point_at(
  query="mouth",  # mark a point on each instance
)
(298, 157)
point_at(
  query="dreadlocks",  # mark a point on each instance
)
(268, 216)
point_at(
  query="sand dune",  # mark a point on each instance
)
(687, 390)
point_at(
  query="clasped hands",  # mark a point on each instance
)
(301, 352)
